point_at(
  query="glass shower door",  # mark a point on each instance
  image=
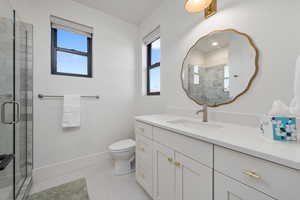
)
(23, 95)
(6, 101)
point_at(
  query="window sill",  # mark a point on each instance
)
(153, 94)
(69, 74)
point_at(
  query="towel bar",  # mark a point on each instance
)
(41, 96)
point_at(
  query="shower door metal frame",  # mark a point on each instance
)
(21, 193)
(24, 189)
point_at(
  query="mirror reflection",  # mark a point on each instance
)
(219, 67)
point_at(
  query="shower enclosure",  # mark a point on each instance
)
(16, 126)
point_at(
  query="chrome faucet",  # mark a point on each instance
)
(204, 111)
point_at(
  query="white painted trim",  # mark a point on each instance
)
(101, 160)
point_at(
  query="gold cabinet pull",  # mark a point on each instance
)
(170, 159)
(251, 174)
(177, 164)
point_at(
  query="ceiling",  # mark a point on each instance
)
(205, 45)
(133, 11)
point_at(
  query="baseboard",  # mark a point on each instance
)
(101, 160)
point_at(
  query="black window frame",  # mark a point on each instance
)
(149, 67)
(55, 48)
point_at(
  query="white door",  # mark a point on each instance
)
(229, 189)
(193, 180)
(164, 173)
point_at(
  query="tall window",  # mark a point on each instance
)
(71, 48)
(153, 68)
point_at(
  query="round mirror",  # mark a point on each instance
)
(219, 68)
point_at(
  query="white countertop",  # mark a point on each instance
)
(244, 139)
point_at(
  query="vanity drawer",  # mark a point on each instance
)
(144, 148)
(195, 149)
(226, 188)
(143, 129)
(275, 180)
(144, 175)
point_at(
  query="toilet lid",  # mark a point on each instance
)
(122, 145)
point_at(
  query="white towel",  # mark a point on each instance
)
(71, 112)
(295, 104)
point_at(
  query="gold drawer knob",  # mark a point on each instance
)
(251, 174)
(177, 164)
(170, 159)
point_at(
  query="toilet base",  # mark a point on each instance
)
(123, 167)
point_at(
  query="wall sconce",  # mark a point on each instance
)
(209, 6)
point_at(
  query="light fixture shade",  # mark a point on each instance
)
(196, 5)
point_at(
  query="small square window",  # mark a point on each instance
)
(71, 53)
(69, 40)
(153, 68)
(71, 63)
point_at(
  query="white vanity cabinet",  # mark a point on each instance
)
(193, 180)
(164, 173)
(181, 166)
(228, 189)
(144, 156)
(173, 166)
(178, 177)
(275, 180)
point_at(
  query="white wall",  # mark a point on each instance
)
(271, 24)
(217, 57)
(114, 66)
(114, 63)
(238, 65)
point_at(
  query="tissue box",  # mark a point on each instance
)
(279, 128)
(284, 128)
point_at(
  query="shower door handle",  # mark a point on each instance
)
(3, 112)
(18, 118)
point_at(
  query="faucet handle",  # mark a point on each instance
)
(204, 111)
(198, 112)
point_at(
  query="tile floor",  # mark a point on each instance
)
(102, 185)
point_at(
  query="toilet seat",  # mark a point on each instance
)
(123, 145)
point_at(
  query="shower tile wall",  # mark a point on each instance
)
(210, 87)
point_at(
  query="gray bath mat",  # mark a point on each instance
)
(75, 190)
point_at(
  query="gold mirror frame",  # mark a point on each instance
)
(251, 42)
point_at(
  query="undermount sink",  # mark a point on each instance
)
(194, 124)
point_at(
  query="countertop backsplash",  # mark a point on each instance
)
(245, 119)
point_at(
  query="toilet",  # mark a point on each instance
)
(123, 154)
